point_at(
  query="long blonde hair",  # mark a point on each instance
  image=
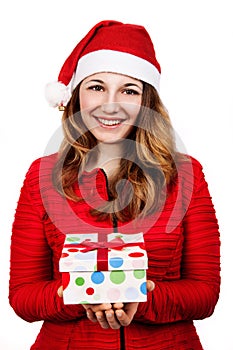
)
(148, 165)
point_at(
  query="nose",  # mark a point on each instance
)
(110, 105)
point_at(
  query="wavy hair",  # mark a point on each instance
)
(148, 165)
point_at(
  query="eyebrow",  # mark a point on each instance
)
(131, 84)
(94, 81)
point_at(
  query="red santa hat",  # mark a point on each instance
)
(110, 46)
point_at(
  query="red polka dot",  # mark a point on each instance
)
(64, 255)
(73, 250)
(90, 291)
(136, 255)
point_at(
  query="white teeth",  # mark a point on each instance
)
(109, 122)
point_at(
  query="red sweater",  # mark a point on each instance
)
(183, 247)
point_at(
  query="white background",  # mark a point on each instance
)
(193, 40)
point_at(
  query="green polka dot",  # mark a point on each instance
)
(139, 274)
(118, 236)
(96, 297)
(84, 302)
(117, 277)
(73, 239)
(80, 281)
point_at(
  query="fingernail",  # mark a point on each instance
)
(108, 315)
(119, 313)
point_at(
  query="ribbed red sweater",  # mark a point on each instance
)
(183, 247)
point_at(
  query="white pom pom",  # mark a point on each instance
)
(57, 94)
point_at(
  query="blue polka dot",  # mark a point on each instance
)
(80, 268)
(86, 256)
(143, 288)
(97, 277)
(116, 262)
(131, 293)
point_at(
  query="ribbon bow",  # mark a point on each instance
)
(102, 249)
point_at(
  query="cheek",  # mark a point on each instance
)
(84, 102)
(133, 111)
(88, 99)
(132, 105)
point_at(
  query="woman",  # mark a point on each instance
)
(118, 169)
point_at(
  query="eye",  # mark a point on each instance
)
(130, 92)
(96, 88)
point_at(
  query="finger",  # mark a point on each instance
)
(60, 291)
(150, 285)
(86, 306)
(118, 306)
(100, 315)
(112, 320)
(122, 318)
(126, 315)
(91, 315)
(100, 307)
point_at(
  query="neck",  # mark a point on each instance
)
(109, 151)
(106, 156)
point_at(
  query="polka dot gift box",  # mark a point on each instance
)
(106, 269)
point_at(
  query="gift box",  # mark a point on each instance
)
(104, 268)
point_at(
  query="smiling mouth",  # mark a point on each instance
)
(109, 122)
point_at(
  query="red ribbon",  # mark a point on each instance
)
(102, 249)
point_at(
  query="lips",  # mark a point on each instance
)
(109, 122)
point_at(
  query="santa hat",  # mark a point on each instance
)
(110, 46)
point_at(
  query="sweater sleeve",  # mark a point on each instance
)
(196, 293)
(32, 288)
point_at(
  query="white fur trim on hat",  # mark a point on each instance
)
(116, 62)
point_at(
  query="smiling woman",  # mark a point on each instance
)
(117, 170)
